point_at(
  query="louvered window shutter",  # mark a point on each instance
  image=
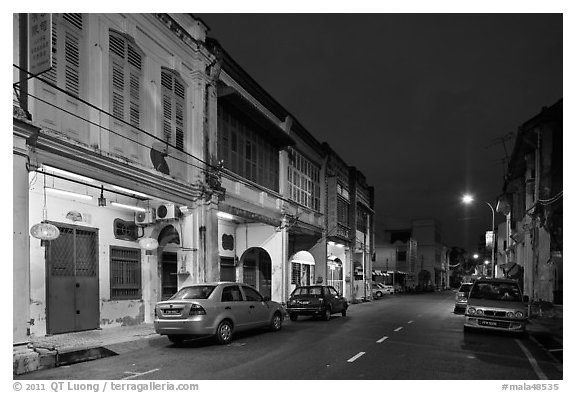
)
(52, 75)
(126, 69)
(173, 93)
(117, 51)
(135, 62)
(179, 98)
(167, 106)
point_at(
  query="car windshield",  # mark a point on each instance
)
(195, 292)
(496, 291)
(308, 291)
(465, 288)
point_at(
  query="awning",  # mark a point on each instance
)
(379, 273)
(273, 132)
(303, 257)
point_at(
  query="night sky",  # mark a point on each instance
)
(423, 104)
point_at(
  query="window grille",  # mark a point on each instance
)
(125, 273)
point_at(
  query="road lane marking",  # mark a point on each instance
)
(409, 322)
(134, 375)
(398, 329)
(382, 339)
(532, 361)
(353, 358)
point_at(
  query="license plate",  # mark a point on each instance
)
(172, 312)
(487, 323)
(304, 302)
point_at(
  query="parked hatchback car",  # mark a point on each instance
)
(462, 297)
(215, 309)
(496, 304)
(316, 300)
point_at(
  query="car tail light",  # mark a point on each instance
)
(196, 309)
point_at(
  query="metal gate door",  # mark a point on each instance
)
(72, 291)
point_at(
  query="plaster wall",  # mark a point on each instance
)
(112, 312)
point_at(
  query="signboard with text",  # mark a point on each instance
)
(39, 42)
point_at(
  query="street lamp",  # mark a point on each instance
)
(467, 199)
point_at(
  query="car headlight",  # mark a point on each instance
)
(519, 314)
(471, 310)
(510, 314)
(479, 312)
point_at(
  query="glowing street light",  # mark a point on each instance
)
(467, 199)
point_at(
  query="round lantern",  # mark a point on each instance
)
(45, 231)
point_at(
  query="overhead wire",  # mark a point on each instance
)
(218, 170)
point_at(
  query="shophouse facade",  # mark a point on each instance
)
(532, 204)
(161, 163)
(112, 175)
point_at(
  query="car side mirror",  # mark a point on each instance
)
(266, 298)
(525, 298)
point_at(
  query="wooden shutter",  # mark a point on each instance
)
(167, 112)
(173, 95)
(179, 101)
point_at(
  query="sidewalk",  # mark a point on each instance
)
(545, 326)
(68, 348)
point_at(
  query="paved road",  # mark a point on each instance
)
(401, 337)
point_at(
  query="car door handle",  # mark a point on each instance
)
(227, 308)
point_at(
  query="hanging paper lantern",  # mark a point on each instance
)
(148, 243)
(45, 231)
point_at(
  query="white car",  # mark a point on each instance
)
(379, 290)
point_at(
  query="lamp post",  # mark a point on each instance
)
(469, 199)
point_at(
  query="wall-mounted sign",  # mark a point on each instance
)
(39, 42)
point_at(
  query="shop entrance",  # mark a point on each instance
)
(257, 270)
(72, 290)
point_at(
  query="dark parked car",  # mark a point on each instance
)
(215, 309)
(496, 304)
(462, 297)
(316, 300)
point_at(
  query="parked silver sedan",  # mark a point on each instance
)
(215, 309)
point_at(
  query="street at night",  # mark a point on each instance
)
(400, 337)
(285, 197)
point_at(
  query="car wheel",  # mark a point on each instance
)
(344, 311)
(327, 314)
(176, 338)
(224, 332)
(378, 294)
(276, 323)
(293, 317)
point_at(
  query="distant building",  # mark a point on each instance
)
(415, 253)
(395, 259)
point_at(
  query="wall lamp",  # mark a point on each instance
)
(128, 207)
(69, 194)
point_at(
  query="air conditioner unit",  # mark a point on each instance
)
(167, 211)
(144, 218)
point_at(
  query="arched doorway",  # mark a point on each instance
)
(169, 242)
(257, 270)
(302, 269)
